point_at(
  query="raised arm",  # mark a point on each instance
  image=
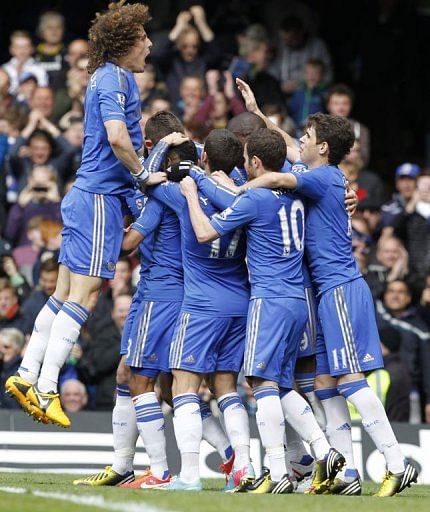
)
(251, 105)
(202, 227)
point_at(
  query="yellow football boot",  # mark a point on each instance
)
(107, 477)
(18, 388)
(395, 483)
(50, 405)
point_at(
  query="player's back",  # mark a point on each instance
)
(328, 228)
(215, 273)
(163, 274)
(165, 278)
(111, 94)
(275, 242)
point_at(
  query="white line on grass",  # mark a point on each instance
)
(88, 500)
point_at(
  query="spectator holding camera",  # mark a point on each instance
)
(189, 49)
(11, 345)
(221, 102)
(40, 197)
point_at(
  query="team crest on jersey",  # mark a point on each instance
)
(121, 100)
(111, 266)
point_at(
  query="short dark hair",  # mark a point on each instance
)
(224, 150)
(161, 124)
(341, 90)
(334, 130)
(39, 133)
(244, 124)
(50, 265)
(185, 151)
(269, 146)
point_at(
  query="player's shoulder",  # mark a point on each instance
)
(114, 75)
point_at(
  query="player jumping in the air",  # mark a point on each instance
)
(92, 211)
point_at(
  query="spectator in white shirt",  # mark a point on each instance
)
(21, 49)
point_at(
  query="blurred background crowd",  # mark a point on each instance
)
(299, 57)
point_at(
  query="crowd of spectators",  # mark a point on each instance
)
(192, 72)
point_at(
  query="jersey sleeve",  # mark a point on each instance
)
(240, 213)
(219, 196)
(156, 157)
(313, 184)
(150, 218)
(112, 93)
(168, 194)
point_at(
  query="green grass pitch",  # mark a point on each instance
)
(43, 494)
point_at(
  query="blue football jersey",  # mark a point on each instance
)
(111, 94)
(274, 221)
(164, 278)
(215, 274)
(239, 176)
(135, 203)
(328, 227)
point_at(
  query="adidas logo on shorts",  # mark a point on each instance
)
(367, 358)
(261, 365)
(190, 359)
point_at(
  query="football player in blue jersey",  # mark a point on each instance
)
(92, 211)
(345, 305)
(210, 332)
(154, 235)
(274, 222)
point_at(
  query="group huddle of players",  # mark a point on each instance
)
(250, 272)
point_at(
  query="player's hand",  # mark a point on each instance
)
(247, 95)
(351, 200)
(188, 186)
(175, 138)
(222, 178)
(155, 179)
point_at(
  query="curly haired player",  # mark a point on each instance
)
(93, 209)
